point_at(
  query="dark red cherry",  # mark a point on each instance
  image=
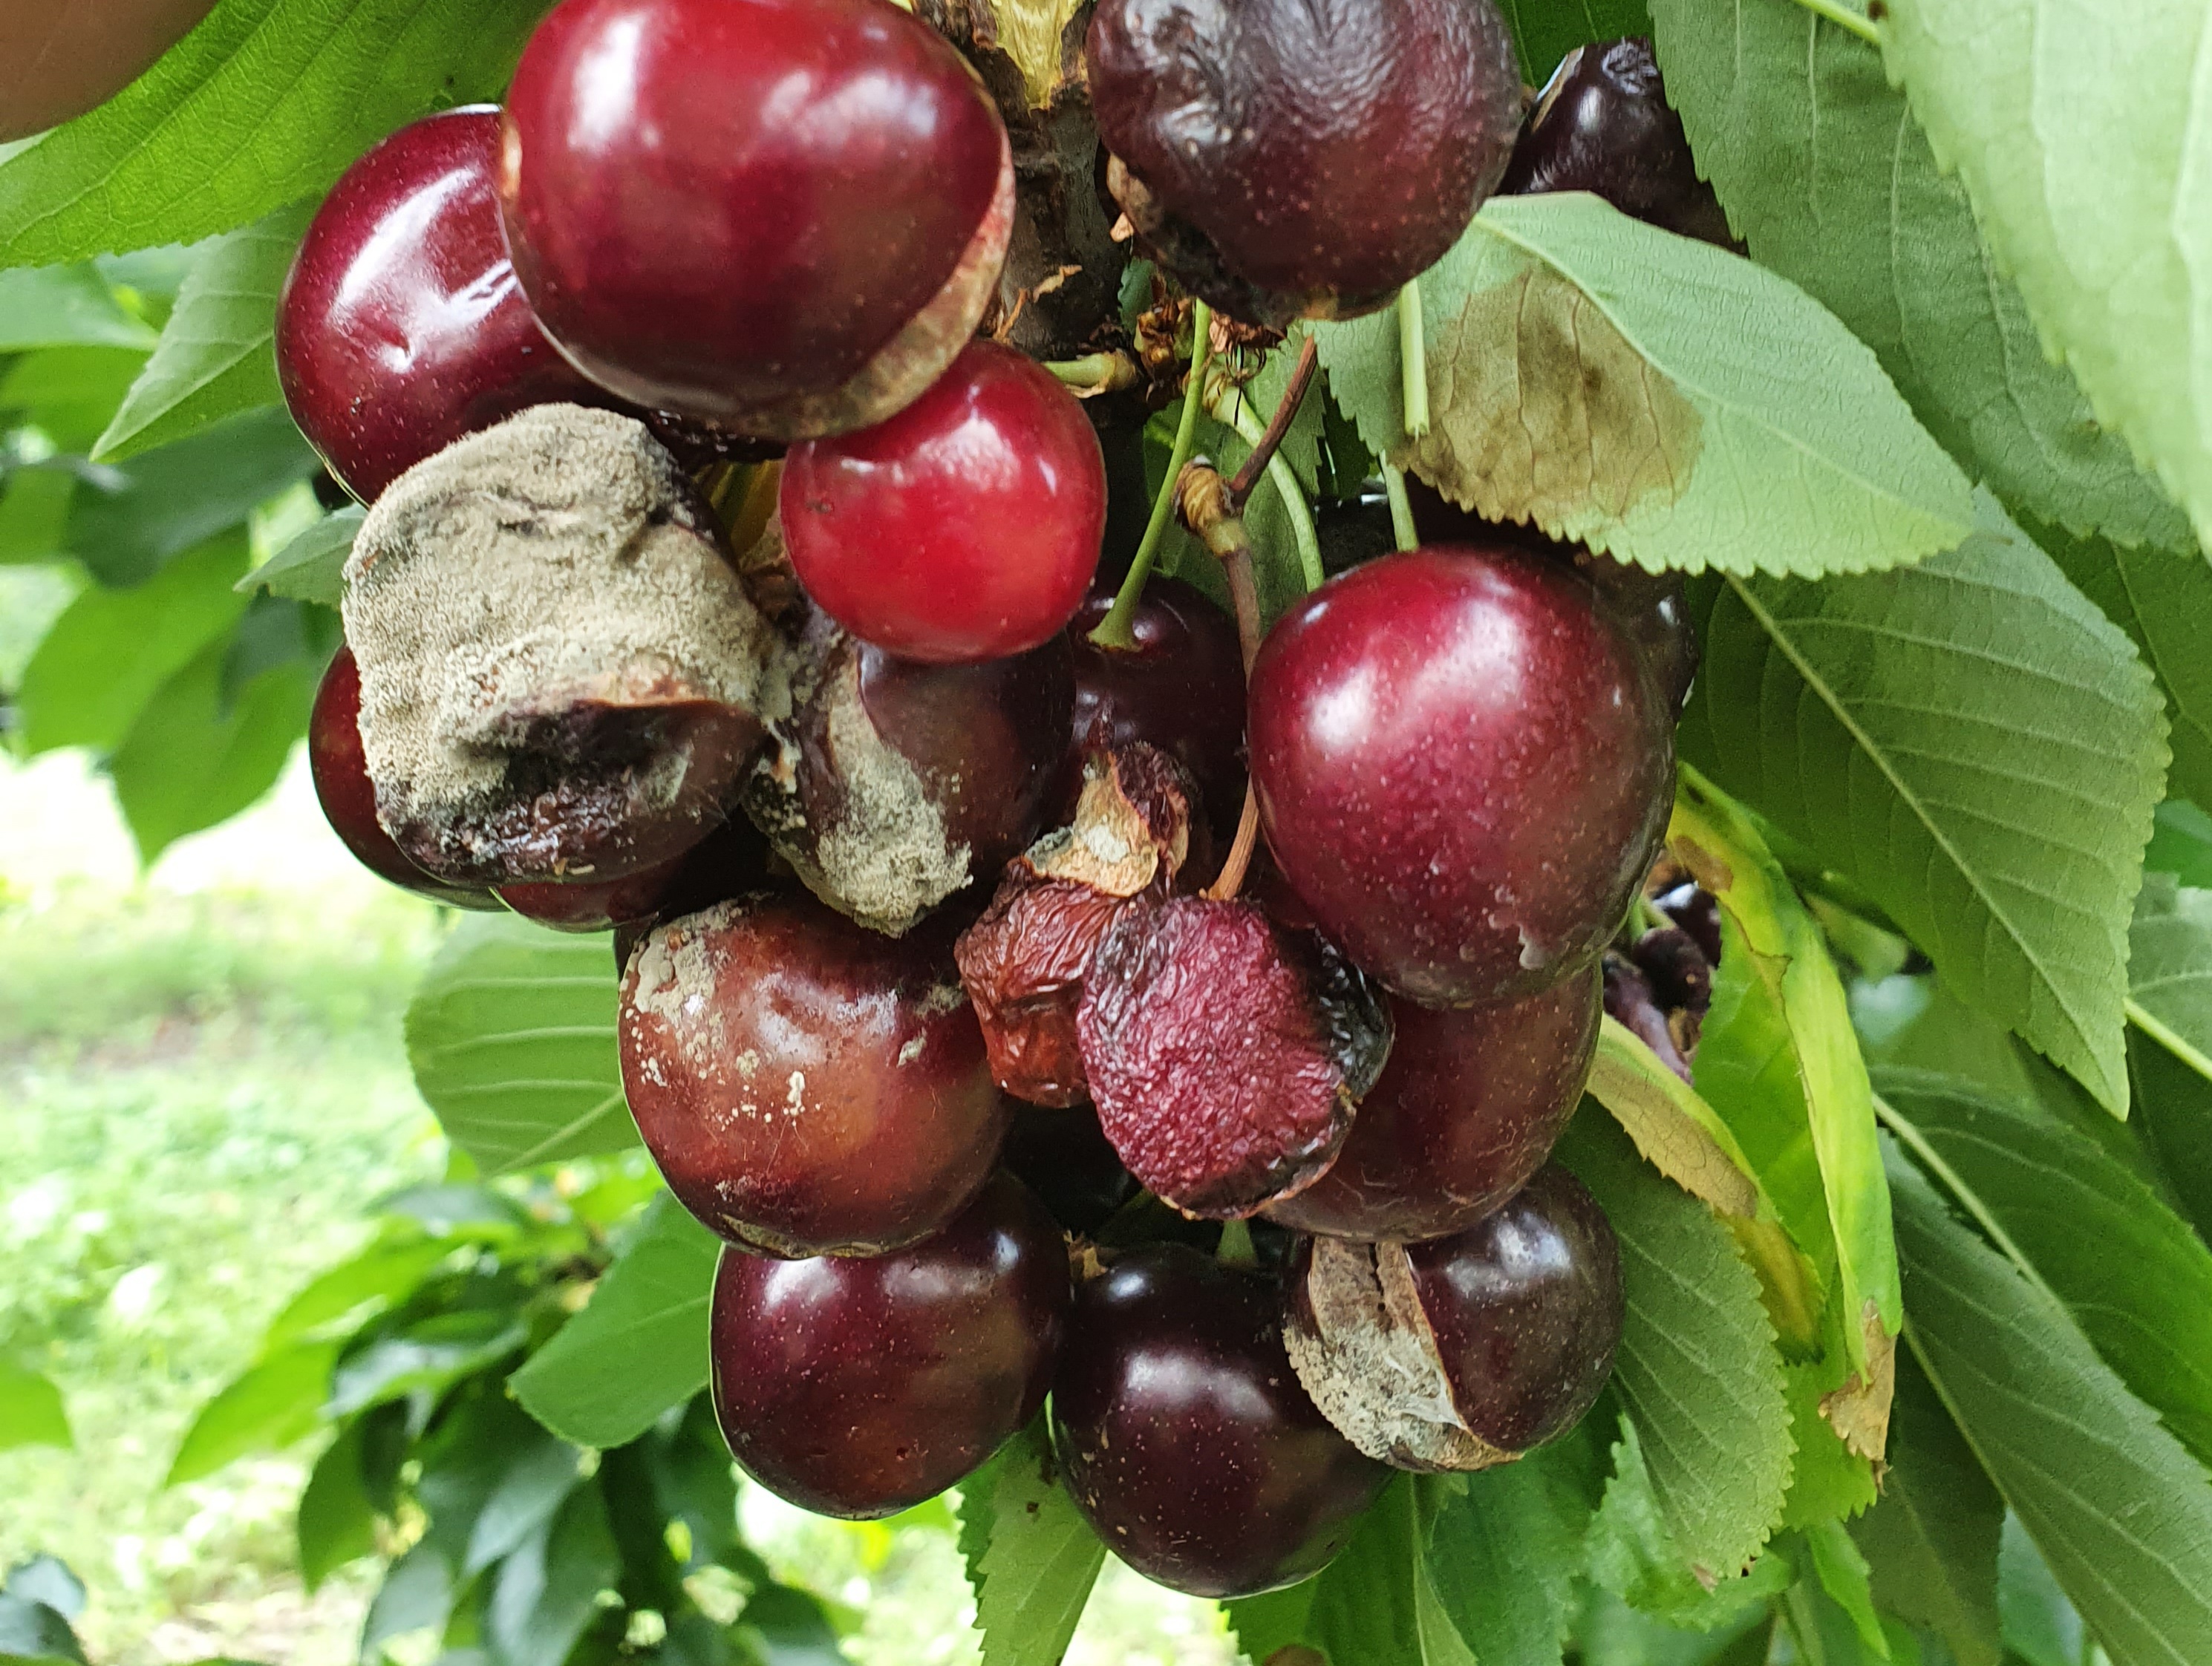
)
(340, 769)
(1180, 688)
(1285, 160)
(1697, 912)
(401, 327)
(728, 862)
(1063, 1156)
(782, 216)
(1184, 1438)
(1463, 768)
(807, 1087)
(1463, 1351)
(1467, 1108)
(964, 528)
(859, 1387)
(1602, 125)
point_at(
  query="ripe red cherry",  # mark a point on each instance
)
(782, 216)
(807, 1087)
(1467, 1108)
(1463, 767)
(859, 1387)
(401, 327)
(964, 528)
(1180, 688)
(1184, 1438)
(340, 769)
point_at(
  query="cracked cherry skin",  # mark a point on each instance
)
(1467, 1108)
(807, 1087)
(401, 327)
(784, 217)
(340, 769)
(859, 1387)
(1184, 1438)
(964, 528)
(1463, 766)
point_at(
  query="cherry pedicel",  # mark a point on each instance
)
(340, 769)
(807, 1087)
(401, 326)
(860, 1387)
(1463, 767)
(782, 216)
(964, 528)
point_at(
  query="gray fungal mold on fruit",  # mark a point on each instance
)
(562, 676)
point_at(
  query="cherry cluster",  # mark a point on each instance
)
(987, 941)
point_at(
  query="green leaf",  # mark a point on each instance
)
(1673, 1128)
(2181, 843)
(1780, 1061)
(311, 567)
(195, 757)
(262, 104)
(547, 1591)
(69, 394)
(511, 1037)
(170, 499)
(1576, 379)
(385, 1272)
(1696, 1370)
(1841, 1572)
(217, 355)
(640, 1345)
(1976, 747)
(2137, 1280)
(2083, 167)
(1932, 1541)
(433, 1353)
(2163, 600)
(2170, 968)
(1829, 181)
(31, 1410)
(1546, 31)
(1504, 1548)
(33, 1634)
(2121, 1511)
(111, 651)
(1828, 1482)
(533, 1488)
(1031, 1558)
(271, 1404)
(66, 307)
(336, 1522)
(2173, 1107)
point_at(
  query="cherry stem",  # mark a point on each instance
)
(1095, 373)
(1412, 361)
(1235, 1250)
(1402, 507)
(1231, 880)
(1202, 500)
(1278, 425)
(1115, 629)
(1843, 17)
(1230, 412)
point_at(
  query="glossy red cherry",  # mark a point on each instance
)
(1468, 1107)
(340, 769)
(782, 216)
(807, 1087)
(1180, 687)
(860, 1387)
(964, 528)
(1184, 1438)
(401, 327)
(1463, 767)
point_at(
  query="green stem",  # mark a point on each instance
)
(1094, 372)
(1238, 413)
(1115, 631)
(1402, 507)
(1844, 18)
(1413, 360)
(2171, 1039)
(1235, 1249)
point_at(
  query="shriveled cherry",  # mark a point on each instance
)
(859, 1387)
(1467, 1351)
(1463, 767)
(1283, 160)
(340, 769)
(1466, 1109)
(964, 528)
(807, 1087)
(401, 327)
(782, 216)
(1179, 687)
(1184, 1438)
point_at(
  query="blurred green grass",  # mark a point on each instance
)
(202, 1090)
